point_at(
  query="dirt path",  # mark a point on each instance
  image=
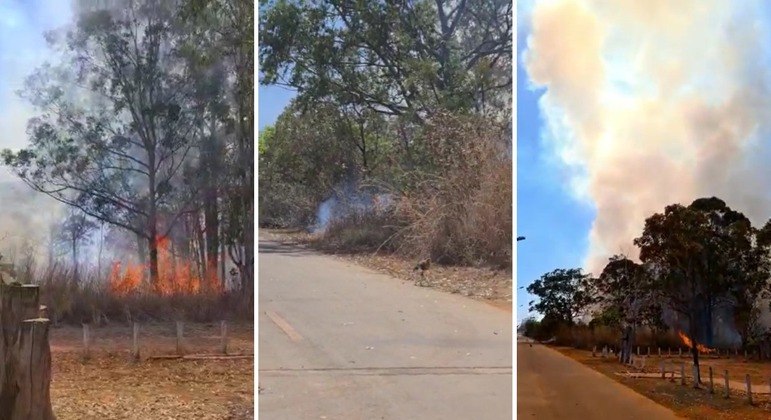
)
(110, 386)
(552, 386)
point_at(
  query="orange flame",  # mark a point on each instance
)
(174, 276)
(687, 341)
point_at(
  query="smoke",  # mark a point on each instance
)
(653, 103)
(349, 199)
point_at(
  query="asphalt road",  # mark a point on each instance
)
(338, 341)
(550, 385)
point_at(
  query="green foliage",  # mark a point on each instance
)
(393, 58)
(563, 295)
(703, 256)
(626, 291)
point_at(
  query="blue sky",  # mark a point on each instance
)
(556, 225)
(271, 102)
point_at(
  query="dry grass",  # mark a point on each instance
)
(109, 386)
(489, 284)
(91, 300)
(451, 199)
(685, 400)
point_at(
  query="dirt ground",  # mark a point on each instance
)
(109, 385)
(685, 400)
(492, 286)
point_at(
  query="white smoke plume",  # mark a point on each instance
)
(655, 102)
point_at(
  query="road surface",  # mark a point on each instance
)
(551, 385)
(338, 341)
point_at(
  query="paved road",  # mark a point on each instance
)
(553, 386)
(338, 341)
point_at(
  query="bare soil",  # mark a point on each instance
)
(487, 284)
(685, 400)
(109, 385)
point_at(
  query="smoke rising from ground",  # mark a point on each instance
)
(654, 103)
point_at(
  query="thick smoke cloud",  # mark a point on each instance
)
(654, 102)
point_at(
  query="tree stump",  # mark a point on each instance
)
(25, 372)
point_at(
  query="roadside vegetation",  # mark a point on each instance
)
(399, 138)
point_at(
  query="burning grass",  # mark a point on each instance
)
(128, 297)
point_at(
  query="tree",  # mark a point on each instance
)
(752, 285)
(563, 294)
(698, 256)
(74, 232)
(226, 28)
(628, 299)
(395, 58)
(114, 147)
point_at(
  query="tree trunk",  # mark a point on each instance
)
(627, 343)
(153, 244)
(25, 372)
(200, 248)
(223, 256)
(693, 331)
(210, 208)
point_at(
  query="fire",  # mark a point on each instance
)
(175, 276)
(687, 341)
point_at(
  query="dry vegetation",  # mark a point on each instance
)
(685, 400)
(489, 284)
(110, 386)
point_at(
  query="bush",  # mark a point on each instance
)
(360, 232)
(459, 211)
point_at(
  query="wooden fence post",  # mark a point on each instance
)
(135, 342)
(711, 384)
(180, 327)
(749, 388)
(682, 373)
(727, 388)
(25, 374)
(662, 369)
(224, 337)
(659, 351)
(594, 349)
(638, 350)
